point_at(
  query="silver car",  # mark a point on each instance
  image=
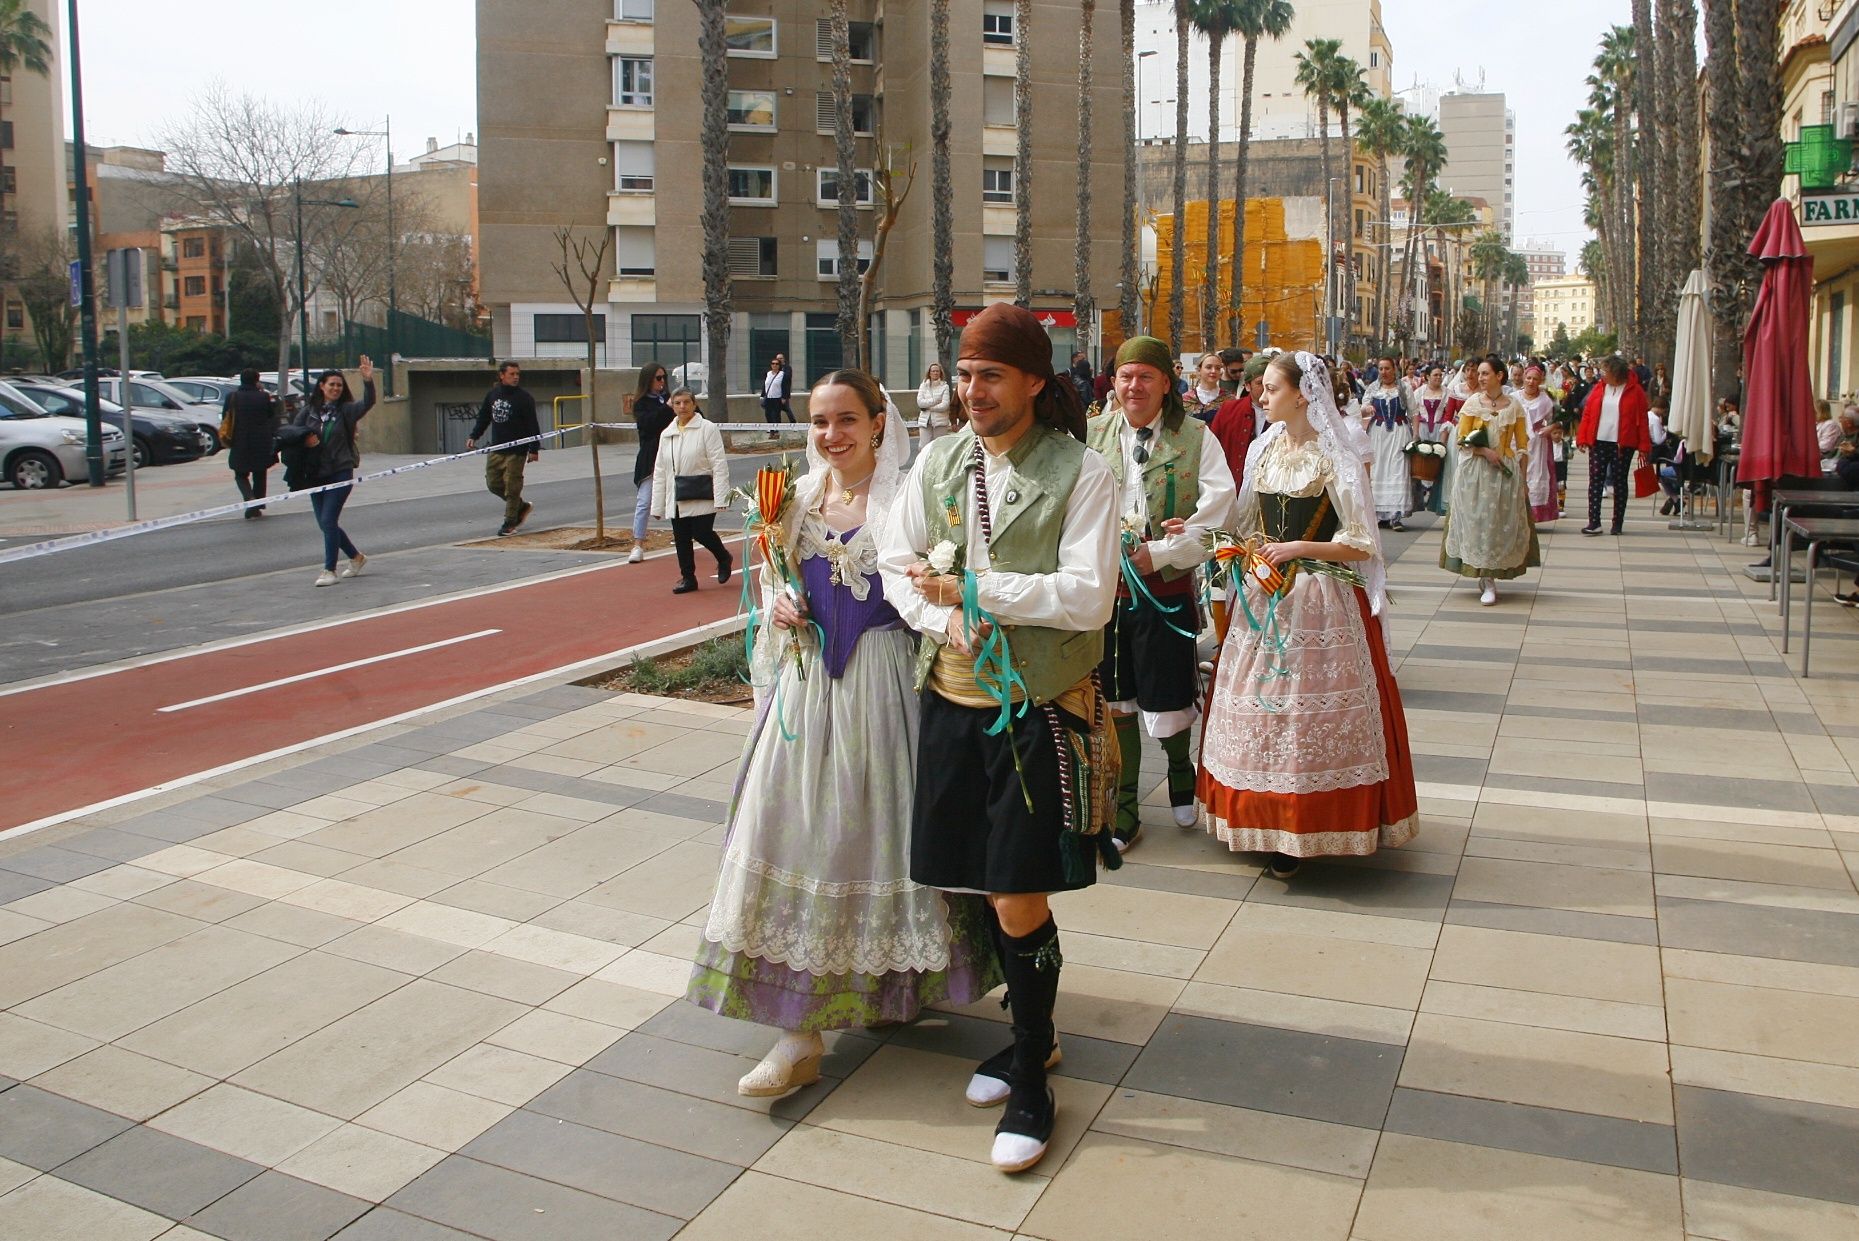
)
(38, 449)
(155, 396)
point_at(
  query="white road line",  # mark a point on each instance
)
(323, 672)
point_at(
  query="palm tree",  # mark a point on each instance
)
(1649, 223)
(1729, 264)
(1591, 145)
(713, 52)
(1423, 146)
(1129, 303)
(24, 42)
(1678, 40)
(1443, 211)
(1083, 305)
(1345, 88)
(942, 190)
(1178, 247)
(1257, 19)
(1489, 256)
(1516, 276)
(1216, 19)
(1611, 90)
(1316, 74)
(846, 155)
(1023, 152)
(1382, 131)
(1758, 34)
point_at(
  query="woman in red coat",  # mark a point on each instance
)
(1613, 428)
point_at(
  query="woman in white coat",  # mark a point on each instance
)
(933, 403)
(689, 485)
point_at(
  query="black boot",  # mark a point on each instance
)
(1031, 963)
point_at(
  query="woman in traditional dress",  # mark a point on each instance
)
(1304, 752)
(1432, 422)
(1489, 534)
(1388, 408)
(815, 924)
(1539, 410)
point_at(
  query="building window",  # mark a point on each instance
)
(997, 260)
(15, 315)
(997, 99)
(1374, 59)
(752, 187)
(632, 10)
(997, 179)
(194, 286)
(750, 36)
(828, 179)
(827, 258)
(632, 82)
(634, 252)
(864, 114)
(193, 247)
(6, 135)
(9, 179)
(752, 256)
(669, 340)
(196, 323)
(633, 167)
(565, 336)
(752, 110)
(997, 23)
(861, 41)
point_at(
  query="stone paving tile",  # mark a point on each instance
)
(1535, 1130)
(1779, 1145)
(625, 1169)
(42, 1130)
(167, 1175)
(275, 1207)
(503, 1205)
(49, 1209)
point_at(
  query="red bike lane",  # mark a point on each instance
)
(89, 740)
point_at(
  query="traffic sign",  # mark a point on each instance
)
(77, 283)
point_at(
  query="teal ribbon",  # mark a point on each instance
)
(1139, 592)
(994, 670)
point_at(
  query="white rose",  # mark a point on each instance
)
(942, 556)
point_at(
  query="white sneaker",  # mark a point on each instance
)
(1186, 816)
(325, 578)
(1489, 595)
(636, 555)
(354, 567)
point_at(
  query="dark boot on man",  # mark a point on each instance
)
(1031, 963)
(1129, 827)
(1181, 779)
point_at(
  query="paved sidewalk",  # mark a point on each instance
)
(425, 986)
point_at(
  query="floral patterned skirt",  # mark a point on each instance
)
(1304, 750)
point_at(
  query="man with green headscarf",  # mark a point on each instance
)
(1173, 488)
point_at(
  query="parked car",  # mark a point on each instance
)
(293, 382)
(161, 439)
(155, 396)
(110, 372)
(38, 449)
(206, 389)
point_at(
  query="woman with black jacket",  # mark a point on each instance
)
(331, 414)
(254, 415)
(651, 415)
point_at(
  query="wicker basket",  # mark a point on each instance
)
(1424, 466)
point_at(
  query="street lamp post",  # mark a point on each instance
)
(303, 285)
(86, 282)
(1140, 57)
(386, 133)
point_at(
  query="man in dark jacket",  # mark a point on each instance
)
(510, 414)
(252, 451)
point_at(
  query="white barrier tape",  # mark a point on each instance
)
(32, 550)
(725, 427)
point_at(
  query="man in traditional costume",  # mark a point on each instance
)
(1169, 469)
(1003, 553)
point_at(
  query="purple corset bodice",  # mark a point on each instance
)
(841, 617)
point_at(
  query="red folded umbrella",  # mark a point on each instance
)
(1778, 397)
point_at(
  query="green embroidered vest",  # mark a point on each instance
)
(1028, 518)
(1174, 466)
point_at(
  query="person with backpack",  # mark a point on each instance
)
(330, 415)
(251, 415)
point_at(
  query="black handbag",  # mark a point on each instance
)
(691, 487)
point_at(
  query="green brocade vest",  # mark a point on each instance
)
(1028, 518)
(1171, 479)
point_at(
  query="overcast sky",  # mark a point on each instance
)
(414, 60)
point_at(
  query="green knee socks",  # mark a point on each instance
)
(1180, 769)
(1130, 741)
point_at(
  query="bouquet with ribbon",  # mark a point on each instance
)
(768, 503)
(1247, 557)
(1481, 438)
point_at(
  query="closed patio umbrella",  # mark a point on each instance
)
(1778, 399)
(1690, 414)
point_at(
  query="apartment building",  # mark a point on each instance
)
(1563, 302)
(32, 176)
(591, 118)
(1481, 151)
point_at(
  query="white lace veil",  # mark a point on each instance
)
(887, 479)
(1345, 443)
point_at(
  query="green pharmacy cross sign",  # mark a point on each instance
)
(1819, 158)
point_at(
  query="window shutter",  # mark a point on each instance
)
(823, 111)
(745, 256)
(823, 38)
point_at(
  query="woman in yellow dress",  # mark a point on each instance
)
(1489, 534)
